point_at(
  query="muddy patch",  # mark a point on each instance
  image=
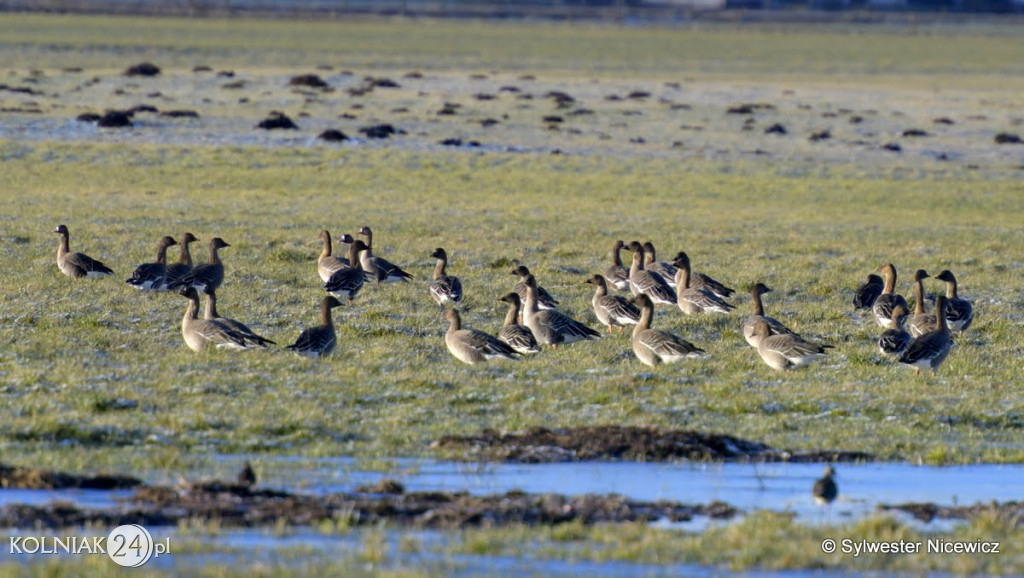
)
(15, 477)
(927, 512)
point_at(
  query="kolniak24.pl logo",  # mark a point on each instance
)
(128, 545)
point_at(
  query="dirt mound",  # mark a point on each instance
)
(36, 479)
(927, 512)
(310, 80)
(142, 69)
(277, 120)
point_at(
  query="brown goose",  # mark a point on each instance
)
(786, 351)
(175, 271)
(544, 299)
(612, 309)
(959, 312)
(208, 275)
(327, 263)
(652, 264)
(887, 300)
(643, 282)
(616, 274)
(692, 300)
(77, 265)
(895, 339)
(210, 314)
(318, 341)
(653, 347)
(921, 322)
(518, 337)
(346, 283)
(379, 269)
(697, 280)
(865, 295)
(472, 346)
(929, 350)
(775, 327)
(153, 276)
(444, 287)
(202, 333)
(549, 326)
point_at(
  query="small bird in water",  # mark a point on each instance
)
(825, 489)
(247, 477)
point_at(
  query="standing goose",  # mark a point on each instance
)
(346, 283)
(77, 265)
(518, 337)
(616, 274)
(652, 264)
(153, 276)
(921, 322)
(544, 299)
(786, 351)
(653, 347)
(775, 327)
(865, 295)
(445, 287)
(208, 275)
(200, 333)
(210, 314)
(825, 490)
(894, 341)
(377, 268)
(472, 346)
(643, 282)
(612, 309)
(175, 271)
(327, 264)
(549, 326)
(887, 300)
(318, 341)
(692, 300)
(930, 349)
(959, 312)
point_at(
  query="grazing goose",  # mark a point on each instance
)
(200, 333)
(518, 337)
(921, 322)
(643, 282)
(775, 327)
(472, 346)
(208, 275)
(786, 351)
(153, 276)
(894, 341)
(930, 349)
(210, 314)
(175, 271)
(692, 300)
(612, 309)
(616, 274)
(346, 283)
(549, 326)
(887, 300)
(327, 264)
(318, 341)
(377, 268)
(444, 288)
(652, 264)
(544, 299)
(865, 295)
(77, 265)
(653, 347)
(959, 312)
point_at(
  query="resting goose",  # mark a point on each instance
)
(929, 350)
(544, 299)
(616, 274)
(653, 347)
(549, 326)
(208, 275)
(379, 269)
(518, 337)
(318, 341)
(921, 322)
(472, 346)
(865, 295)
(786, 351)
(887, 300)
(77, 265)
(346, 283)
(692, 300)
(153, 276)
(775, 327)
(895, 339)
(445, 287)
(176, 271)
(200, 333)
(327, 264)
(210, 314)
(612, 309)
(959, 312)
(643, 282)
(825, 490)
(652, 264)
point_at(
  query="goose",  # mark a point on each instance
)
(697, 280)
(77, 265)
(377, 268)
(884, 303)
(200, 333)
(346, 283)
(518, 337)
(208, 275)
(612, 309)
(549, 326)
(544, 299)
(652, 264)
(472, 346)
(210, 314)
(865, 295)
(153, 276)
(894, 341)
(246, 476)
(959, 312)
(921, 322)
(825, 490)
(929, 350)
(327, 264)
(616, 274)
(785, 351)
(444, 288)
(692, 300)
(653, 347)
(176, 271)
(775, 327)
(645, 282)
(318, 341)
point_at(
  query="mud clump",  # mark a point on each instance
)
(183, 113)
(116, 119)
(277, 120)
(310, 80)
(926, 512)
(15, 477)
(332, 135)
(1008, 138)
(142, 69)
(380, 131)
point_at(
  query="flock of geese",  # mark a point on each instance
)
(533, 319)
